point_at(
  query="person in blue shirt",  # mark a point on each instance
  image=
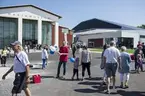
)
(125, 67)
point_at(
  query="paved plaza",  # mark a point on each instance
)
(50, 86)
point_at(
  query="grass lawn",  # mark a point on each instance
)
(131, 51)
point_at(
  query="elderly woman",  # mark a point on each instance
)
(124, 67)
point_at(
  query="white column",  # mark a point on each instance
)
(104, 41)
(39, 31)
(20, 25)
(65, 37)
(56, 33)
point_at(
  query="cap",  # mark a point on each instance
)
(16, 43)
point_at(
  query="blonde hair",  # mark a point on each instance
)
(123, 48)
(21, 47)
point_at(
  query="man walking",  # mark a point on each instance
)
(63, 52)
(111, 60)
(21, 70)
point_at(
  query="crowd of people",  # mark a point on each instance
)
(111, 60)
(6, 52)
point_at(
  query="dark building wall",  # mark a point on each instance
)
(95, 43)
(95, 23)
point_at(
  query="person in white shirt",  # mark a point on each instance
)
(21, 69)
(25, 48)
(111, 61)
(77, 61)
(44, 57)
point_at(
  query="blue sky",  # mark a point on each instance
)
(130, 12)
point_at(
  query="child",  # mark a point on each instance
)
(77, 62)
(139, 63)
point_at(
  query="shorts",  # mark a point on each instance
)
(111, 69)
(19, 83)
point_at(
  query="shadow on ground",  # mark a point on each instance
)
(86, 90)
(97, 87)
(43, 77)
(132, 72)
(130, 93)
(66, 79)
(94, 78)
(89, 83)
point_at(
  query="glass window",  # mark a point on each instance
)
(30, 32)
(46, 33)
(8, 31)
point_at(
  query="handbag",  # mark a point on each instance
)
(36, 78)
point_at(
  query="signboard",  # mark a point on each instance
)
(64, 30)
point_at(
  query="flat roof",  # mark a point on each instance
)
(30, 6)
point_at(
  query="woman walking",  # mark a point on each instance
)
(125, 67)
(86, 61)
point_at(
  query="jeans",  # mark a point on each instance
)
(59, 66)
(43, 63)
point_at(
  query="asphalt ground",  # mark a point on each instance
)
(50, 86)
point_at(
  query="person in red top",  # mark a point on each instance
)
(63, 52)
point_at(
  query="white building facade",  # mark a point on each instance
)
(107, 35)
(28, 24)
(97, 37)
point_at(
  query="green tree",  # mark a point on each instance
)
(142, 26)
